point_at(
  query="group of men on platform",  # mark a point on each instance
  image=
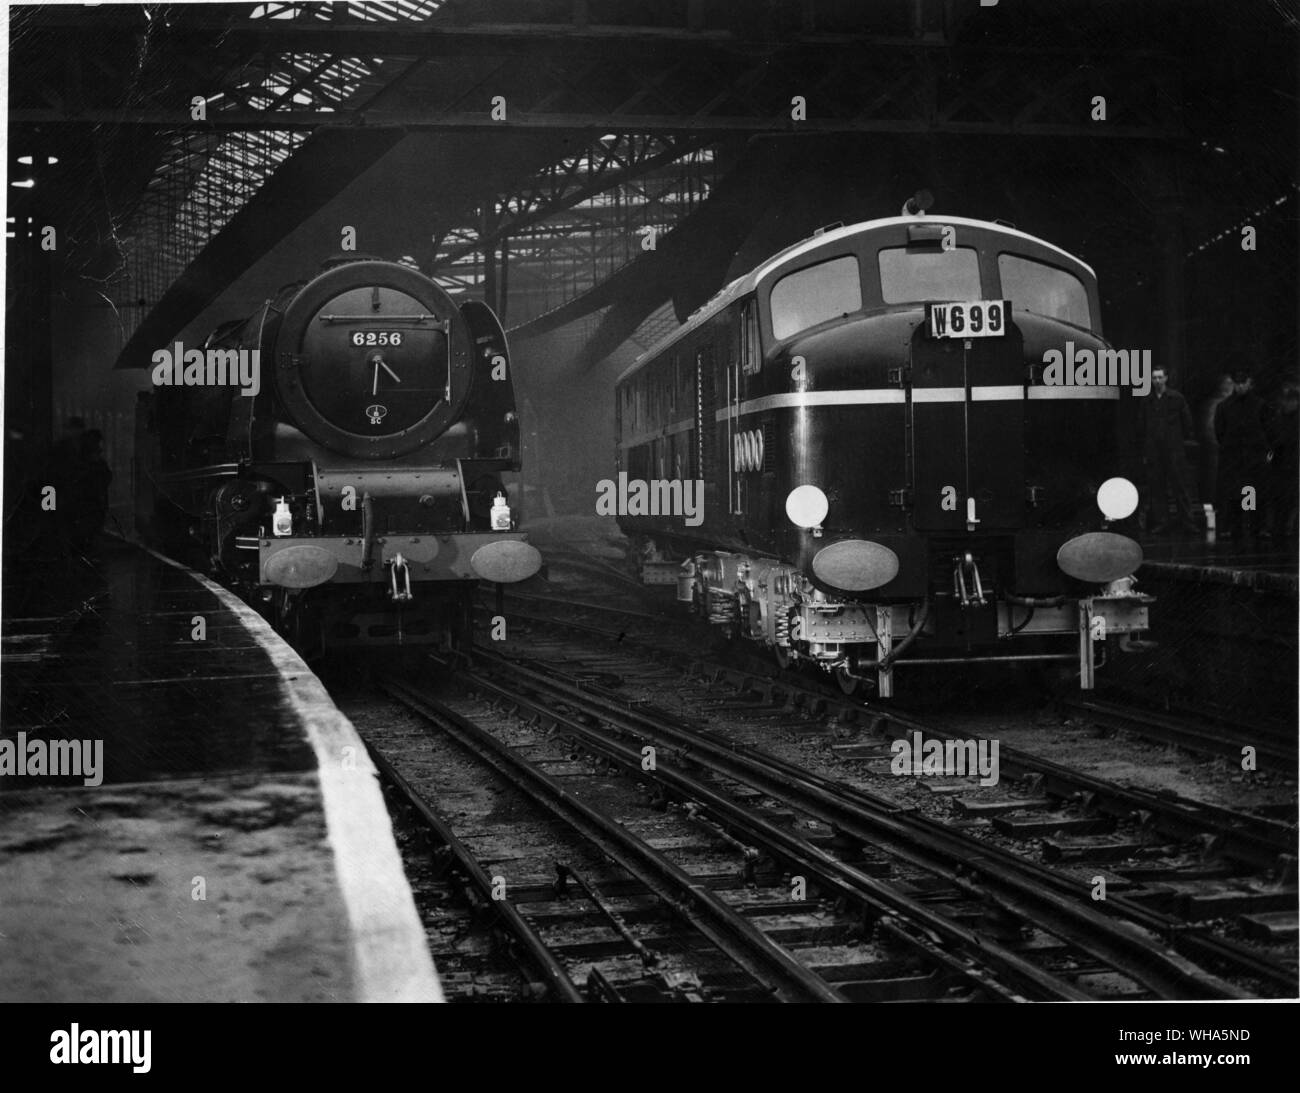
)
(1250, 463)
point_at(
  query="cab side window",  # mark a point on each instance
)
(751, 349)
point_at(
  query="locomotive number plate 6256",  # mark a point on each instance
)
(971, 319)
(376, 337)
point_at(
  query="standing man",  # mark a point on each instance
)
(1243, 455)
(1166, 423)
(1284, 465)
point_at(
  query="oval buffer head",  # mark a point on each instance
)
(1099, 557)
(506, 561)
(855, 565)
(301, 566)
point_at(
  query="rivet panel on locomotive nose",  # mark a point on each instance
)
(358, 497)
(888, 480)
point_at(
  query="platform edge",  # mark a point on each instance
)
(389, 951)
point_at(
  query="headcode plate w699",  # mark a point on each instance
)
(968, 319)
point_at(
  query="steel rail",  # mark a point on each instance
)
(531, 597)
(574, 559)
(920, 841)
(1255, 840)
(929, 929)
(1270, 746)
(554, 974)
(1252, 838)
(769, 963)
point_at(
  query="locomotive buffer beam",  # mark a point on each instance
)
(504, 557)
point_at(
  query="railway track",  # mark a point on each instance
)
(769, 964)
(1275, 749)
(1020, 891)
(604, 568)
(1165, 890)
(454, 857)
(1254, 840)
(681, 913)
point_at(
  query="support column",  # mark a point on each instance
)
(489, 261)
(504, 293)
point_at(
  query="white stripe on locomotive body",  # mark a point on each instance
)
(1074, 392)
(938, 394)
(800, 399)
(748, 282)
(1010, 392)
(868, 396)
(897, 396)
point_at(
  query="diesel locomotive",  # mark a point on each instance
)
(889, 478)
(352, 491)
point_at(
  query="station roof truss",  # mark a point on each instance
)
(568, 227)
(657, 97)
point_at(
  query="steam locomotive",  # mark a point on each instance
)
(355, 497)
(889, 478)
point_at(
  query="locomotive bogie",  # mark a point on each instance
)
(777, 606)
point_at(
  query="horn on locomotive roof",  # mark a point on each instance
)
(918, 203)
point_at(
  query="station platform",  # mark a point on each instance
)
(1223, 626)
(1264, 565)
(184, 814)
